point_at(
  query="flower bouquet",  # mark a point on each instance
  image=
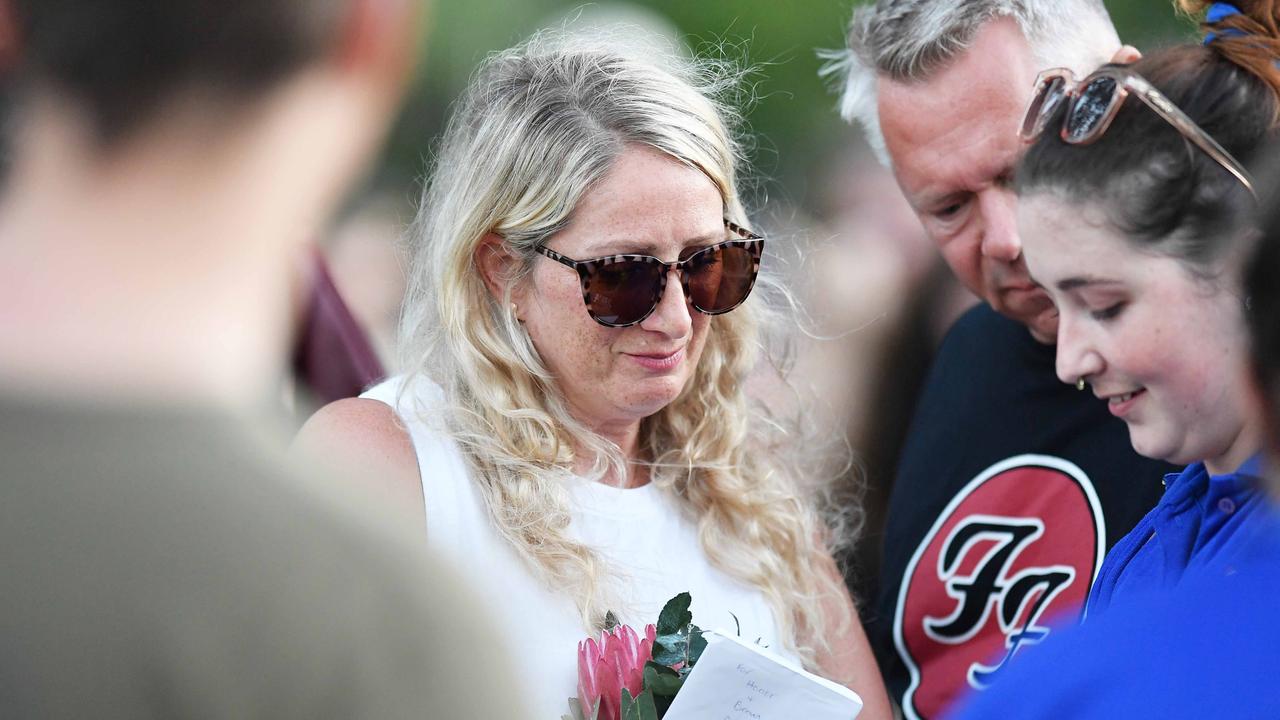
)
(628, 677)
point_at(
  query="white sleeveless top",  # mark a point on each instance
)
(641, 533)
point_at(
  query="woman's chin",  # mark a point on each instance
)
(652, 397)
(1148, 445)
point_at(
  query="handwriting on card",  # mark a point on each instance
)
(735, 680)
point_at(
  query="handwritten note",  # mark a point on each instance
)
(737, 680)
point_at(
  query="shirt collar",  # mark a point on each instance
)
(1251, 467)
(1243, 480)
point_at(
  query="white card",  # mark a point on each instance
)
(736, 680)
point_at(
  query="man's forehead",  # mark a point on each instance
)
(939, 152)
(959, 126)
(992, 79)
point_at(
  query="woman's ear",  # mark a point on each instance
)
(496, 265)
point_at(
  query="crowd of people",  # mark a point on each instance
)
(586, 420)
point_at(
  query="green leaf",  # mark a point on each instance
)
(610, 621)
(670, 649)
(697, 643)
(662, 704)
(675, 615)
(638, 708)
(630, 709)
(661, 680)
(648, 710)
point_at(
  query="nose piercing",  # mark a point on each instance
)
(1080, 383)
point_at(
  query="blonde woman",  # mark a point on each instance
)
(578, 333)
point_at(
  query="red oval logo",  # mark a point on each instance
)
(1019, 545)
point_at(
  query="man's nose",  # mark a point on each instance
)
(1000, 239)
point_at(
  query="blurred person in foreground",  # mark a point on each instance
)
(1011, 485)
(572, 421)
(1154, 312)
(169, 162)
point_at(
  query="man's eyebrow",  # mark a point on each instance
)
(1075, 283)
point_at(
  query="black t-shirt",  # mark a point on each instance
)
(1010, 488)
(173, 564)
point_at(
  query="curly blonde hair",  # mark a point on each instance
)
(538, 125)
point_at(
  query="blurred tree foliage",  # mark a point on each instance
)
(793, 118)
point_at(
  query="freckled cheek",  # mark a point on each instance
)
(567, 339)
(583, 365)
(586, 352)
(593, 353)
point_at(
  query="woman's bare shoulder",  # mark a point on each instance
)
(357, 422)
(364, 439)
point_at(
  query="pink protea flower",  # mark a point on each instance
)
(616, 662)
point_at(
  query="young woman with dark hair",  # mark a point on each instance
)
(1135, 214)
(1136, 206)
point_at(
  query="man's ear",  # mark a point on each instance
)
(1126, 55)
(496, 265)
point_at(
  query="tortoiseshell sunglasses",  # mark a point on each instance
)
(622, 290)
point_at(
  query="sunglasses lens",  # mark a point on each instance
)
(1048, 97)
(721, 277)
(623, 293)
(1089, 113)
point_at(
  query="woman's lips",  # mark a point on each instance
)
(658, 361)
(1121, 404)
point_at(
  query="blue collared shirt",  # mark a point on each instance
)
(1205, 649)
(1199, 519)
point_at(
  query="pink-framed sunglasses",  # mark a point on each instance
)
(1094, 102)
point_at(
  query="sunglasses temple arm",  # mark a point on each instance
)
(1211, 147)
(548, 252)
(1224, 158)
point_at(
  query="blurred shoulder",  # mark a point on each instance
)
(365, 439)
(357, 421)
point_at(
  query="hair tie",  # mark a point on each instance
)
(1218, 12)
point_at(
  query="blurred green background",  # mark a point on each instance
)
(793, 119)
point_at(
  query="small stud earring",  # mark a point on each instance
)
(1080, 383)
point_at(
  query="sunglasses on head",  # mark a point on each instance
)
(1094, 102)
(622, 290)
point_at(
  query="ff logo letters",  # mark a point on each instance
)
(1018, 547)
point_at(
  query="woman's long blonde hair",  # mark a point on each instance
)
(538, 125)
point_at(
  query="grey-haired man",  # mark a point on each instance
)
(1011, 485)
